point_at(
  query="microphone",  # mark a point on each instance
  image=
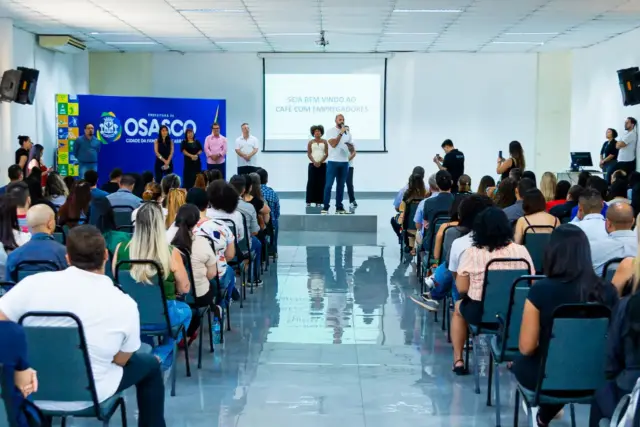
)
(345, 132)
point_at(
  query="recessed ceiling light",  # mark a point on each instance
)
(534, 43)
(211, 10)
(128, 43)
(411, 34)
(255, 42)
(290, 34)
(119, 33)
(427, 10)
(531, 34)
(396, 42)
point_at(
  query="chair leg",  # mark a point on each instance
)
(476, 364)
(186, 358)
(489, 378)
(444, 313)
(449, 323)
(516, 409)
(63, 422)
(435, 316)
(210, 331)
(200, 343)
(466, 355)
(173, 368)
(123, 413)
(496, 378)
(228, 318)
(243, 296)
(573, 414)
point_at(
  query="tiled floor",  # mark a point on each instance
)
(333, 339)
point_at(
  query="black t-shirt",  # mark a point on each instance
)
(609, 149)
(110, 187)
(257, 204)
(19, 153)
(454, 163)
(192, 148)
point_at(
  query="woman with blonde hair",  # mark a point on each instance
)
(149, 242)
(174, 200)
(548, 184)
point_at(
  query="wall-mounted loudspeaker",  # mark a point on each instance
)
(629, 80)
(28, 84)
(9, 85)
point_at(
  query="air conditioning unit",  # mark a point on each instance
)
(63, 44)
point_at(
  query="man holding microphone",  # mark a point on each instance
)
(340, 146)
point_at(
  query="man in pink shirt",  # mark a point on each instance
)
(215, 148)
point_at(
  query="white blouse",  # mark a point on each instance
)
(317, 151)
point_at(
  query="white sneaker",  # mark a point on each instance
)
(324, 212)
(429, 283)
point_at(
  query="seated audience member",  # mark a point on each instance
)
(464, 184)
(492, 238)
(223, 202)
(212, 175)
(239, 182)
(438, 250)
(601, 186)
(75, 210)
(516, 210)
(19, 193)
(149, 242)
(3, 262)
(175, 199)
(124, 196)
(256, 198)
(103, 217)
(583, 178)
(203, 263)
(152, 193)
(590, 218)
(435, 206)
(418, 170)
(619, 174)
(621, 241)
(530, 175)
(560, 197)
(432, 191)
(13, 357)
(138, 187)
(618, 192)
(570, 280)
(201, 181)
(91, 177)
(70, 182)
(15, 175)
(548, 185)
(147, 178)
(505, 194)
(634, 181)
(486, 182)
(41, 247)
(415, 193)
(563, 211)
(36, 194)
(114, 181)
(272, 199)
(55, 190)
(534, 215)
(515, 174)
(168, 183)
(11, 234)
(110, 320)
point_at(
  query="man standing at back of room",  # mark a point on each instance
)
(453, 162)
(86, 150)
(627, 146)
(246, 149)
(338, 163)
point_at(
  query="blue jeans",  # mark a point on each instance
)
(179, 314)
(444, 283)
(256, 249)
(228, 280)
(336, 171)
(83, 167)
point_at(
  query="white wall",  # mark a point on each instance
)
(596, 102)
(59, 73)
(481, 102)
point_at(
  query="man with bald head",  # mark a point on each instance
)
(42, 247)
(621, 241)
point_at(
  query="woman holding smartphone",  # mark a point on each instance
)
(163, 147)
(515, 160)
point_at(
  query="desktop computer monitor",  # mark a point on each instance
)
(581, 159)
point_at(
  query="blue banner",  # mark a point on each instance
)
(128, 126)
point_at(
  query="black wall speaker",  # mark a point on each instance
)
(28, 84)
(629, 80)
(9, 85)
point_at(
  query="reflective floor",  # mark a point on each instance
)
(333, 339)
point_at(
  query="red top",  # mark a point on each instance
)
(555, 203)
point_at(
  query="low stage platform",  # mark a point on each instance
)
(312, 220)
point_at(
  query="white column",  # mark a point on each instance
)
(6, 63)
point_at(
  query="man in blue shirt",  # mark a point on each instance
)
(91, 177)
(42, 246)
(15, 175)
(86, 150)
(124, 196)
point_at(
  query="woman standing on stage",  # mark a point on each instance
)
(317, 152)
(191, 148)
(163, 147)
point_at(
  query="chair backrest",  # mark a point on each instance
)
(27, 268)
(122, 215)
(451, 233)
(510, 334)
(409, 213)
(59, 354)
(573, 356)
(497, 287)
(151, 300)
(232, 226)
(126, 228)
(244, 244)
(189, 298)
(439, 219)
(59, 235)
(535, 239)
(609, 268)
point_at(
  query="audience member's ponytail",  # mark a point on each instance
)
(186, 220)
(152, 192)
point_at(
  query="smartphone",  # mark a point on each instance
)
(500, 154)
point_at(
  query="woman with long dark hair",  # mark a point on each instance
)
(505, 194)
(415, 192)
(570, 280)
(75, 210)
(317, 152)
(191, 148)
(163, 147)
(609, 154)
(55, 190)
(10, 235)
(515, 160)
(35, 161)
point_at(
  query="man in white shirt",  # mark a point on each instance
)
(621, 242)
(109, 317)
(246, 149)
(627, 146)
(339, 138)
(591, 220)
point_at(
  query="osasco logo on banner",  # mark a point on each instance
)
(110, 128)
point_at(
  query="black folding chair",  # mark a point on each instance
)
(122, 215)
(27, 268)
(610, 267)
(536, 243)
